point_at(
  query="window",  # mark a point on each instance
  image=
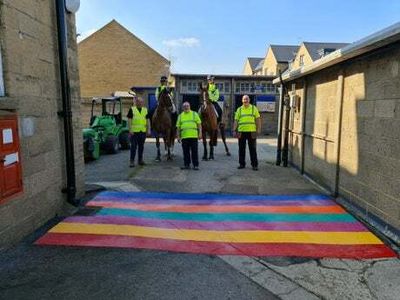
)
(189, 86)
(220, 86)
(1, 76)
(227, 87)
(301, 60)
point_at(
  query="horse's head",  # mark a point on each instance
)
(204, 96)
(165, 100)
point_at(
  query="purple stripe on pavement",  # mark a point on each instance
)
(218, 202)
(225, 226)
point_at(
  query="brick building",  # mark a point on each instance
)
(33, 155)
(344, 126)
(113, 60)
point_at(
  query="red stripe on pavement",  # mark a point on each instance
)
(298, 250)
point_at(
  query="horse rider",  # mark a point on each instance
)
(188, 132)
(213, 95)
(138, 127)
(163, 86)
(246, 126)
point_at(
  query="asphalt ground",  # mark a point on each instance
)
(33, 272)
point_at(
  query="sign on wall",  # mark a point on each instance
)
(266, 103)
(1, 76)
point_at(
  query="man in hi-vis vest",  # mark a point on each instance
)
(189, 131)
(138, 128)
(246, 127)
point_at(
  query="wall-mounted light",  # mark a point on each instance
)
(72, 6)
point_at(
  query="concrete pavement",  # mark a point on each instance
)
(32, 272)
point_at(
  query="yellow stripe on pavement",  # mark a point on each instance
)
(242, 236)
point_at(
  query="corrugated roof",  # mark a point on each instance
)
(284, 53)
(254, 61)
(313, 48)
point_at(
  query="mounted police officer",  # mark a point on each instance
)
(213, 95)
(163, 86)
(246, 127)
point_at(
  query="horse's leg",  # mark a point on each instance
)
(211, 143)
(167, 141)
(158, 158)
(204, 136)
(223, 137)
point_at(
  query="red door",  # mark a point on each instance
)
(10, 158)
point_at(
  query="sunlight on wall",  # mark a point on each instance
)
(325, 121)
(354, 91)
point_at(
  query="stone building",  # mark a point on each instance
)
(344, 126)
(113, 60)
(278, 58)
(308, 52)
(32, 149)
(252, 66)
(232, 87)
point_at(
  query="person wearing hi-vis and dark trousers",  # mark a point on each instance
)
(246, 126)
(138, 128)
(188, 133)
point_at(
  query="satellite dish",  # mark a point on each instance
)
(72, 5)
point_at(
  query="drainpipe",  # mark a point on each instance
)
(338, 134)
(66, 112)
(280, 116)
(303, 123)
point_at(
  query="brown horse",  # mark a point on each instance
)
(163, 124)
(209, 126)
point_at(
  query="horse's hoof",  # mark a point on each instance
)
(158, 159)
(228, 154)
(204, 158)
(211, 158)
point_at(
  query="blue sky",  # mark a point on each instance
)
(216, 36)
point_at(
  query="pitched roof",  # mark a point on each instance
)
(284, 53)
(254, 61)
(115, 23)
(314, 48)
(259, 65)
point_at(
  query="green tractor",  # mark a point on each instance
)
(108, 132)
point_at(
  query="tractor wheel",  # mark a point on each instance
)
(124, 140)
(111, 145)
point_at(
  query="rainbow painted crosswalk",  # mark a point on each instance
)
(221, 224)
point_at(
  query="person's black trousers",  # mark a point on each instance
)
(190, 152)
(137, 142)
(246, 136)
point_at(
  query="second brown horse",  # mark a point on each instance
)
(209, 125)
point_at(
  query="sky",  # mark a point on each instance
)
(215, 37)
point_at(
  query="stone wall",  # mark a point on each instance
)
(28, 38)
(352, 121)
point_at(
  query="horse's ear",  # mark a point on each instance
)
(201, 86)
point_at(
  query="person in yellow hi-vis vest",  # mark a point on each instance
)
(213, 95)
(138, 128)
(246, 127)
(188, 132)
